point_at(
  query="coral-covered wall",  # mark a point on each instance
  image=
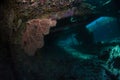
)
(28, 21)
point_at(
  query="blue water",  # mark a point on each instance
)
(104, 28)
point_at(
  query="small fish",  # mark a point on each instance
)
(107, 2)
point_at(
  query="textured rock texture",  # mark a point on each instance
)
(33, 36)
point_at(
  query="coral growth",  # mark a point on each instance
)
(112, 65)
(33, 36)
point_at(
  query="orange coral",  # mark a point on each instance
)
(33, 37)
